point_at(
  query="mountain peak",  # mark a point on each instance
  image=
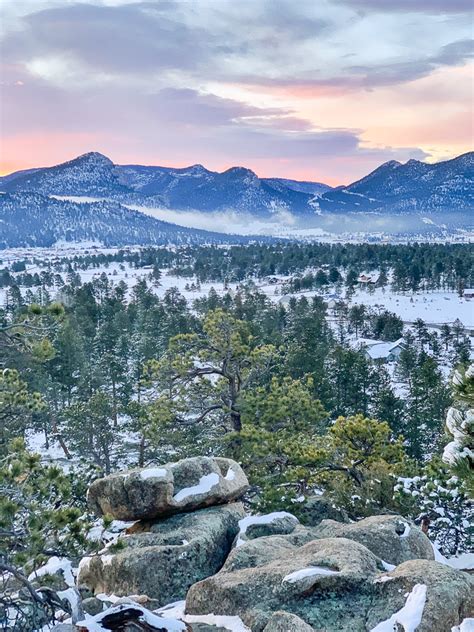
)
(240, 172)
(92, 156)
(197, 169)
(390, 164)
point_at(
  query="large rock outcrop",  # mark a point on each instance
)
(162, 559)
(260, 573)
(186, 485)
(448, 595)
(332, 584)
(389, 537)
(327, 583)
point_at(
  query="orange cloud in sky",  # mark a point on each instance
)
(433, 113)
(42, 149)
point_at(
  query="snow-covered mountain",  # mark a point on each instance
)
(196, 188)
(407, 198)
(90, 175)
(36, 220)
(312, 188)
(412, 187)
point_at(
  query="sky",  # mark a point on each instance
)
(322, 90)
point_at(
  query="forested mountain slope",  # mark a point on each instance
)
(393, 187)
(32, 219)
(412, 187)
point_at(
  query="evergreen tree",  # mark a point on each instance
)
(459, 452)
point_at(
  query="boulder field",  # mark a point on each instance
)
(194, 561)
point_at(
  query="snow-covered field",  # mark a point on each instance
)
(434, 308)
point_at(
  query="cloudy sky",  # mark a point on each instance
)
(311, 89)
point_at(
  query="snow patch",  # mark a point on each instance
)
(72, 596)
(387, 566)
(230, 476)
(467, 625)
(231, 623)
(52, 566)
(311, 571)
(206, 483)
(94, 624)
(463, 562)
(245, 523)
(153, 472)
(406, 532)
(409, 616)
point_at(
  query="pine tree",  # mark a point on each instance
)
(17, 404)
(280, 421)
(459, 452)
(442, 502)
(206, 374)
(424, 418)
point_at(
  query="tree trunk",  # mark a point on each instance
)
(114, 404)
(141, 454)
(236, 420)
(59, 436)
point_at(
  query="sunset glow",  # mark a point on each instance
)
(322, 91)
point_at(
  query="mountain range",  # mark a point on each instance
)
(41, 205)
(393, 187)
(196, 188)
(36, 220)
(412, 187)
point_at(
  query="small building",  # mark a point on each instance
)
(384, 351)
(468, 293)
(368, 279)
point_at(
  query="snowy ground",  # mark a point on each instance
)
(433, 307)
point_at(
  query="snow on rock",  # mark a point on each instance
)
(463, 562)
(406, 532)
(206, 483)
(310, 571)
(465, 626)
(248, 521)
(153, 472)
(387, 566)
(72, 596)
(409, 617)
(98, 533)
(228, 622)
(53, 566)
(110, 598)
(230, 476)
(185, 485)
(98, 623)
(383, 579)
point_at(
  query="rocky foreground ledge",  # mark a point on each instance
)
(193, 561)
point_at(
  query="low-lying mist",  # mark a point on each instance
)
(224, 221)
(284, 224)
